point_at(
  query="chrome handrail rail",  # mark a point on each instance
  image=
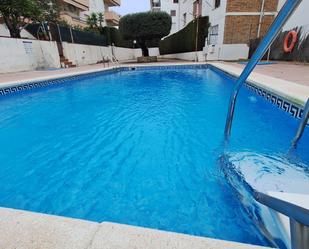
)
(302, 125)
(299, 218)
(286, 11)
(291, 210)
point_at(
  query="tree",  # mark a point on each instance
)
(16, 13)
(145, 26)
(95, 21)
(50, 10)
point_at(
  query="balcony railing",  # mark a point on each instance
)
(72, 20)
(112, 18)
(112, 2)
(80, 4)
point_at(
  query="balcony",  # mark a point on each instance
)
(72, 20)
(80, 4)
(112, 18)
(112, 2)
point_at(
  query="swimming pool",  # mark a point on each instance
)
(139, 147)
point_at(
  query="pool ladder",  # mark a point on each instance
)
(286, 11)
(299, 218)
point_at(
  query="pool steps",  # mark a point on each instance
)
(28, 230)
(286, 11)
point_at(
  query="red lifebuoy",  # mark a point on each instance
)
(289, 44)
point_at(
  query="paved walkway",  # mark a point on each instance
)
(32, 75)
(290, 71)
(27, 230)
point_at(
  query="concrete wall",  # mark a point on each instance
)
(25, 55)
(190, 56)
(81, 54)
(227, 52)
(152, 52)
(5, 32)
(299, 18)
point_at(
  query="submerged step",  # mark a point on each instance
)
(251, 172)
(270, 173)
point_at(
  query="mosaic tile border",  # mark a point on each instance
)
(292, 108)
(285, 105)
(37, 84)
(45, 83)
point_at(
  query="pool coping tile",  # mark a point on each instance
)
(27, 230)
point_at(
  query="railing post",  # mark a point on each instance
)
(71, 33)
(286, 11)
(299, 235)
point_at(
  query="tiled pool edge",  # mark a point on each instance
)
(24, 229)
(293, 105)
(290, 104)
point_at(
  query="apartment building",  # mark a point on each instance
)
(233, 22)
(111, 17)
(75, 12)
(72, 11)
(181, 11)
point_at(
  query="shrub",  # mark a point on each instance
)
(185, 39)
(145, 26)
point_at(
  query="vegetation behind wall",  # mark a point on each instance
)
(66, 34)
(185, 39)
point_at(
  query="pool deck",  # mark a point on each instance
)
(28, 230)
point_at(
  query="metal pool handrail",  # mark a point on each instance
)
(302, 125)
(284, 14)
(299, 218)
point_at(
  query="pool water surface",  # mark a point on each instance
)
(138, 147)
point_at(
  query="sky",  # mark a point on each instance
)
(132, 6)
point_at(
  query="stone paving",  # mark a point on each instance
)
(28, 230)
(290, 71)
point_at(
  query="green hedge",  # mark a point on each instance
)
(114, 36)
(185, 39)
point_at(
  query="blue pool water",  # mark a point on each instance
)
(138, 147)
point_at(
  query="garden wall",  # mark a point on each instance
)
(81, 54)
(189, 56)
(25, 55)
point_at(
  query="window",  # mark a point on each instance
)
(173, 12)
(213, 34)
(156, 3)
(217, 3)
(175, 1)
(184, 19)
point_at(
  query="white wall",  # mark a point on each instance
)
(81, 54)
(5, 32)
(299, 18)
(25, 55)
(189, 56)
(182, 7)
(152, 52)
(228, 52)
(167, 6)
